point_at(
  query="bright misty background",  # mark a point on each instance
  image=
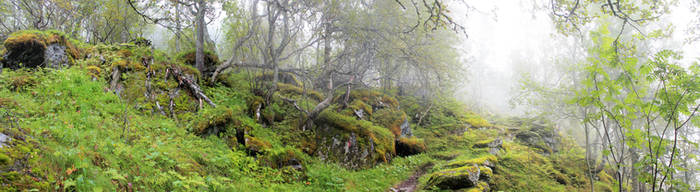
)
(505, 40)
(509, 38)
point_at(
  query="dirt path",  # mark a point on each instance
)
(409, 185)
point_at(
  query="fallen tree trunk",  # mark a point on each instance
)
(189, 84)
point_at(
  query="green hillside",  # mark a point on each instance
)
(123, 117)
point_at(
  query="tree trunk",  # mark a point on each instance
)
(199, 57)
(178, 30)
(588, 158)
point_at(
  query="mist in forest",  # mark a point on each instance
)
(509, 40)
(350, 95)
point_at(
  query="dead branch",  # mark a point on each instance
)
(191, 85)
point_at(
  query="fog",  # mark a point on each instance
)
(507, 40)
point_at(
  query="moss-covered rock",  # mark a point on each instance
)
(456, 178)
(486, 160)
(351, 142)
(480, 187)
(212, 121)
(406, 146)
(374, 98)
(256, 146)
(392, 119)
(32, 49)
(360, 107)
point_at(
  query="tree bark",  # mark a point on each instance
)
(199, 43)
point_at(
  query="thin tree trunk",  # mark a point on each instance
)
(199, 43)
(588, 157)
(178, 31)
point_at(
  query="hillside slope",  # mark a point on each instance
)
(129, 118)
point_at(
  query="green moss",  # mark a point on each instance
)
(603, 187)
(454, 178)
(479, 161)
(22, 39)
(484, 142)
(410, 146)
(94, 71)
(383, 137)
(189, 69)
(188, 57)
(374, 98)
(5, 160)
(257, 145)
(392, 119)
(20, 82)
(454, 172)
(358, 104)
(211, 117)
(298, 91)
(7, 103)
(477, 121)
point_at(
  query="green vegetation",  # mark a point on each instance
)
(73, 132)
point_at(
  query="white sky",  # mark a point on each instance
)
(508, 37)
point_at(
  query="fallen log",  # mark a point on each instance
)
(190, 85)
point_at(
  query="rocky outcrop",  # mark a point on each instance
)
(539, 136)
(493, 146)
(459, 178)
(347, 151)
(32, 49)
(406, 146)
(352, 143)
(472, 174)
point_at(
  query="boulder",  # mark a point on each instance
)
(350, 142)
(456, 178)
(33, 49)
(4, 140)
(406, 146)
(537, 133)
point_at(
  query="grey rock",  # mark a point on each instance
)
(4, 140)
